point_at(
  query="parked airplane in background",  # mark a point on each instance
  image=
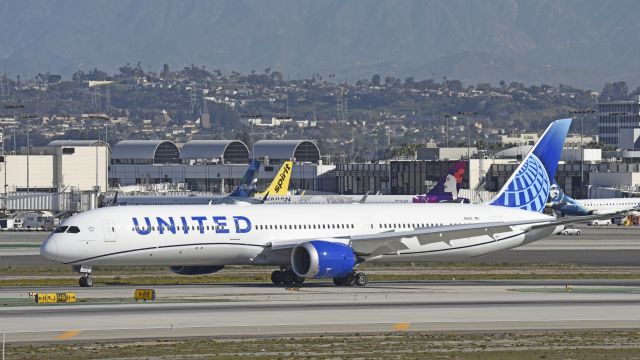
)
(280, 184)
(315, 241)
(245, 192)
(446, 190)
(566, 205)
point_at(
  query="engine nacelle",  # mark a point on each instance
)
(196, 270)
(322, 259)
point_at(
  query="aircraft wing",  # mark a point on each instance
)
(392, 241)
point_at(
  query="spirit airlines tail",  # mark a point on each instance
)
(314, 241)
(280, 184)
(566, 205)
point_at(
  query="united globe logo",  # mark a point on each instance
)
(529, 189)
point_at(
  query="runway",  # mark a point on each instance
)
(259, 310)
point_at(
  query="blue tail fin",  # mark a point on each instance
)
(248, 185)
(447, 188)
(565, 204)
(529, 186)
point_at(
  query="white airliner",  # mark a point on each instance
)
(314, 241)
(566, 205)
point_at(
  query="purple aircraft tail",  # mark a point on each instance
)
(446, 190)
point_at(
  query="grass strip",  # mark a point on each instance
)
(551, 345)
(265, 278)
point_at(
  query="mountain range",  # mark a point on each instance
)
(578, 42)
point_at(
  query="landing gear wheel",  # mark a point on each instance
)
(347, 280)
(277, 277)
(361, 279)
(298, 280)
(85, 281)
(288, 277)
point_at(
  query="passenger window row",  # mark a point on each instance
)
(304, 226)
(180, 228)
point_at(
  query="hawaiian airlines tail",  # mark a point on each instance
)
(446, 190)
(529, 186)
(247, 187)
(280, 184)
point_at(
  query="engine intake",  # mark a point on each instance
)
(322, 259)
(196, 270)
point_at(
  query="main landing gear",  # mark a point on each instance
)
(286, 277)
(355, 278)
(85, 279)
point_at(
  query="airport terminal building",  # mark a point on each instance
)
(71, 174)
(216, 165)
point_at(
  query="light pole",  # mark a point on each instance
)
(582, 114)
(28, 117)
(468, 113)
(447, 116)
(14, 107)
(4, 170)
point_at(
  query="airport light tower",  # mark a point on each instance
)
(14, 107)
(28, 117)
(447, 117)
(468, 114)
(581, 114)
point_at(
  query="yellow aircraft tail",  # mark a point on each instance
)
(280, 183)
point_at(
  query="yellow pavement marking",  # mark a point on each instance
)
(68, 334)
(401, 326)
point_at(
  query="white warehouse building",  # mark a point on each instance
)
(80, 165)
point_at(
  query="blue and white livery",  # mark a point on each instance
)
(528, 187)
(313, 241)
(566, 205)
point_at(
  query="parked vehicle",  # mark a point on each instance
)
(35, 221)
(599, 222)
(571, 231)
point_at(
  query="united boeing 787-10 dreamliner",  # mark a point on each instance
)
(315, 241)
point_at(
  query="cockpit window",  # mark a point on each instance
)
(60, 229)
(73, 230)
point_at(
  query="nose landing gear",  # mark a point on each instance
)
(85, 280)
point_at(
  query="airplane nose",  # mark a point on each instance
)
(49, 249)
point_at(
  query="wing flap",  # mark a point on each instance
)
(388, 242)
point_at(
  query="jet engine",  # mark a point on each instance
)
(322, 259)
(196, 270)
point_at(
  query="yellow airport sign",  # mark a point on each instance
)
(52, 298)
(145, 294)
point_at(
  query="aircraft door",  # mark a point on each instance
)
(109, 231)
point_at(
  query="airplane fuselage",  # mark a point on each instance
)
(228, 234)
